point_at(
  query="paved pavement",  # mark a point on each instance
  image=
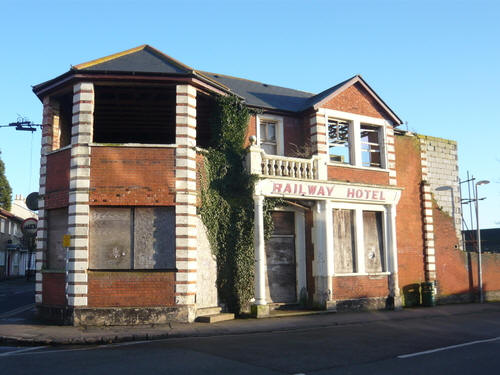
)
(30, 332)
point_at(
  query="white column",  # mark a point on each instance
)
(392, 249)
(260, 252)
(323, 253)
(355, 143)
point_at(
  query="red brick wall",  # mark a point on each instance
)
(340, 173)
(251, 130)
(114, 289)
(54, 289)
(409, 224)
(457, 270)
(356, 99)
(351, 287)
(57, 185)
(132, 176)
(451, 263)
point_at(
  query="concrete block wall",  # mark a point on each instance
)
(442, 171)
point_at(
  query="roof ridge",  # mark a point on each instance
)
(109, 57)
(142, 47)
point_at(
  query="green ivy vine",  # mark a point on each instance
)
(227, 203)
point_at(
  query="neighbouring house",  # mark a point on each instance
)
(13, 255)
(119, 175)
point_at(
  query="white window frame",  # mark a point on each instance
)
(2, 225)
(359, 237)
(355, 122)
(280, 144)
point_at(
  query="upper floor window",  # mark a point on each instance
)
(270, 134)
(370, 146)
(356, 140)
(338, 141)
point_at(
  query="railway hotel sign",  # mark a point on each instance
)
(333, 191)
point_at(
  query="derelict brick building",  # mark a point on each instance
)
(119, 167)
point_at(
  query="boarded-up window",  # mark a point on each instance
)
(132, 238)
(374, 243)
(110, 238)
(344, 241)
(57, 227)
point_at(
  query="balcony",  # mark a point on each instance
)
(265, 165)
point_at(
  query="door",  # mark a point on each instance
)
(281, 277)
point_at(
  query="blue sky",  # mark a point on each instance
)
(437, 64)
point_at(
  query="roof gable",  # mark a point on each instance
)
(143, 59)
(355, 96)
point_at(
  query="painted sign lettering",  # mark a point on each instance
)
(334, 191)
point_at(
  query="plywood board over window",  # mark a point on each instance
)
(57, 227)
(132, 238)
(344, 241)
(374, 242)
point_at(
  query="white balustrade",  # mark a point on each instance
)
(262, 164)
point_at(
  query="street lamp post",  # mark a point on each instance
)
(479, 261)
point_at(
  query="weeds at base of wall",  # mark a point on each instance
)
(227, 204)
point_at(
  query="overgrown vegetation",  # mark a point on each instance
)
(227, 204)
(5, 189)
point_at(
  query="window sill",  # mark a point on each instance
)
(134, 270)
(52, 271)
(59, 149)
(361, 274)
(376, 169)
(132, 145)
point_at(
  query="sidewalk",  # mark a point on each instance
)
(29, 332)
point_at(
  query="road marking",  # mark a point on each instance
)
(19, 310)
(447, 348)
(27, 351)
(21, 351)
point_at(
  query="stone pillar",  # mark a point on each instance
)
(391, 155)
(260, 251)
(79, 185)
(41, 237)
(319, 142)
(185, 198)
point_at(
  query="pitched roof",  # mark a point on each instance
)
(143, 59)
(260, 94)
(148, 60)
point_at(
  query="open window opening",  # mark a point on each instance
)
(370, 146)
(62, 109)
(205, 106)
(134, 114)
(339, 144)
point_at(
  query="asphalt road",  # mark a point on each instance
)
(17, 296)
(460, 344)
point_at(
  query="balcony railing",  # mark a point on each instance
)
(262, 164)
